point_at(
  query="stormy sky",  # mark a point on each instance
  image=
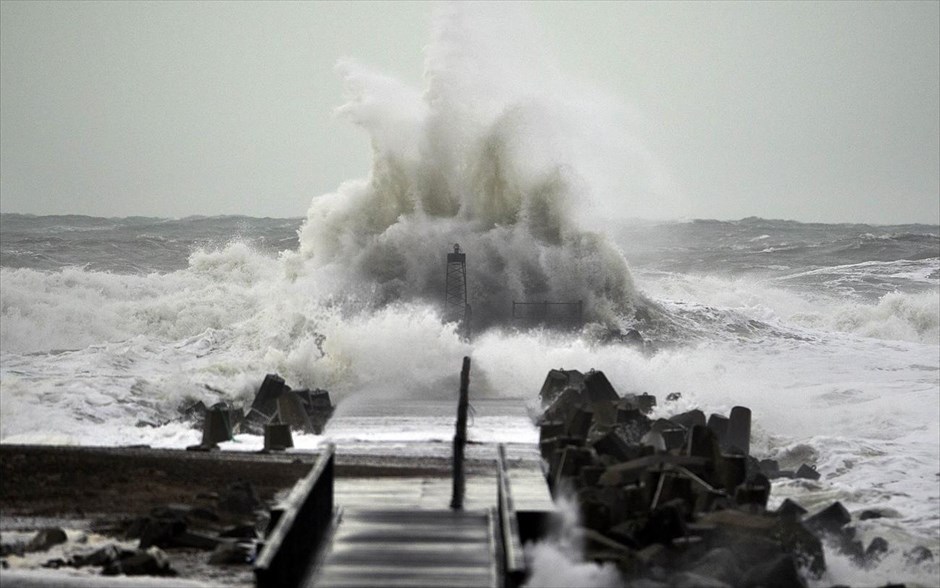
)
(808, 111)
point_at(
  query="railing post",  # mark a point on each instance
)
(460, 437)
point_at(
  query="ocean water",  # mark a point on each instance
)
(830, 333)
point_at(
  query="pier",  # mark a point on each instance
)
(349, 515)
(400, 531)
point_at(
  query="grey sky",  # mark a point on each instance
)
(809, 111)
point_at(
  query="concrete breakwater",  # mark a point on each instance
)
(679, 501)
(276, 410)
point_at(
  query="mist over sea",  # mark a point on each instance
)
(830, 333)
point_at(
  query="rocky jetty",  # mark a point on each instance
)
(679, 501)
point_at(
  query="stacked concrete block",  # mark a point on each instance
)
(678, 498)
(304, 410)
(558, 381)
(275, 411)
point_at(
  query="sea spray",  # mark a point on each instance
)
(489, 156)
(557, 560)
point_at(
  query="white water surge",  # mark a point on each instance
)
(501, 153)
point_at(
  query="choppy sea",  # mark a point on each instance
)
(828, 332)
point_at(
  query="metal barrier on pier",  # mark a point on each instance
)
(513, 556)
(296, 537)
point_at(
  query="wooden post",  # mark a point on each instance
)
(460, 438)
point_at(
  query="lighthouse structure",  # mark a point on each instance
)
(456, 308)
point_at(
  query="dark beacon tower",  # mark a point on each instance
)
(456, 309)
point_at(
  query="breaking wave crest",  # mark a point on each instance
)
(908, 317)
(715, 304)
(489, 155)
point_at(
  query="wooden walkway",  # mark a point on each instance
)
(381, 547)
(398, 530)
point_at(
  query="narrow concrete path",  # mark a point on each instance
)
(399, 547)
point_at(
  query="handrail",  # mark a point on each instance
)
(295, 540)
(514, 556)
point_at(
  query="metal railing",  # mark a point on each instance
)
(513, 556)
(295, 539)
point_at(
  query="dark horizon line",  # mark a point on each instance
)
(625, 220)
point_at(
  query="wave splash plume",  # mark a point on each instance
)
(493, 155)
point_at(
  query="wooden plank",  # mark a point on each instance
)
(422, 579)
(399, 531)
(410, 547)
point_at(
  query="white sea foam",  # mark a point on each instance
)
(481, 157)
(904, 316)
(558, 559)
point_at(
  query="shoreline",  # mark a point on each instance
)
(94, 493)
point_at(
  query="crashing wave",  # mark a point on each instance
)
(489, 156)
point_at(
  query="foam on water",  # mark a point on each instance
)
(862, 409)
(495, 153)
(897, 315)
(556, 560)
